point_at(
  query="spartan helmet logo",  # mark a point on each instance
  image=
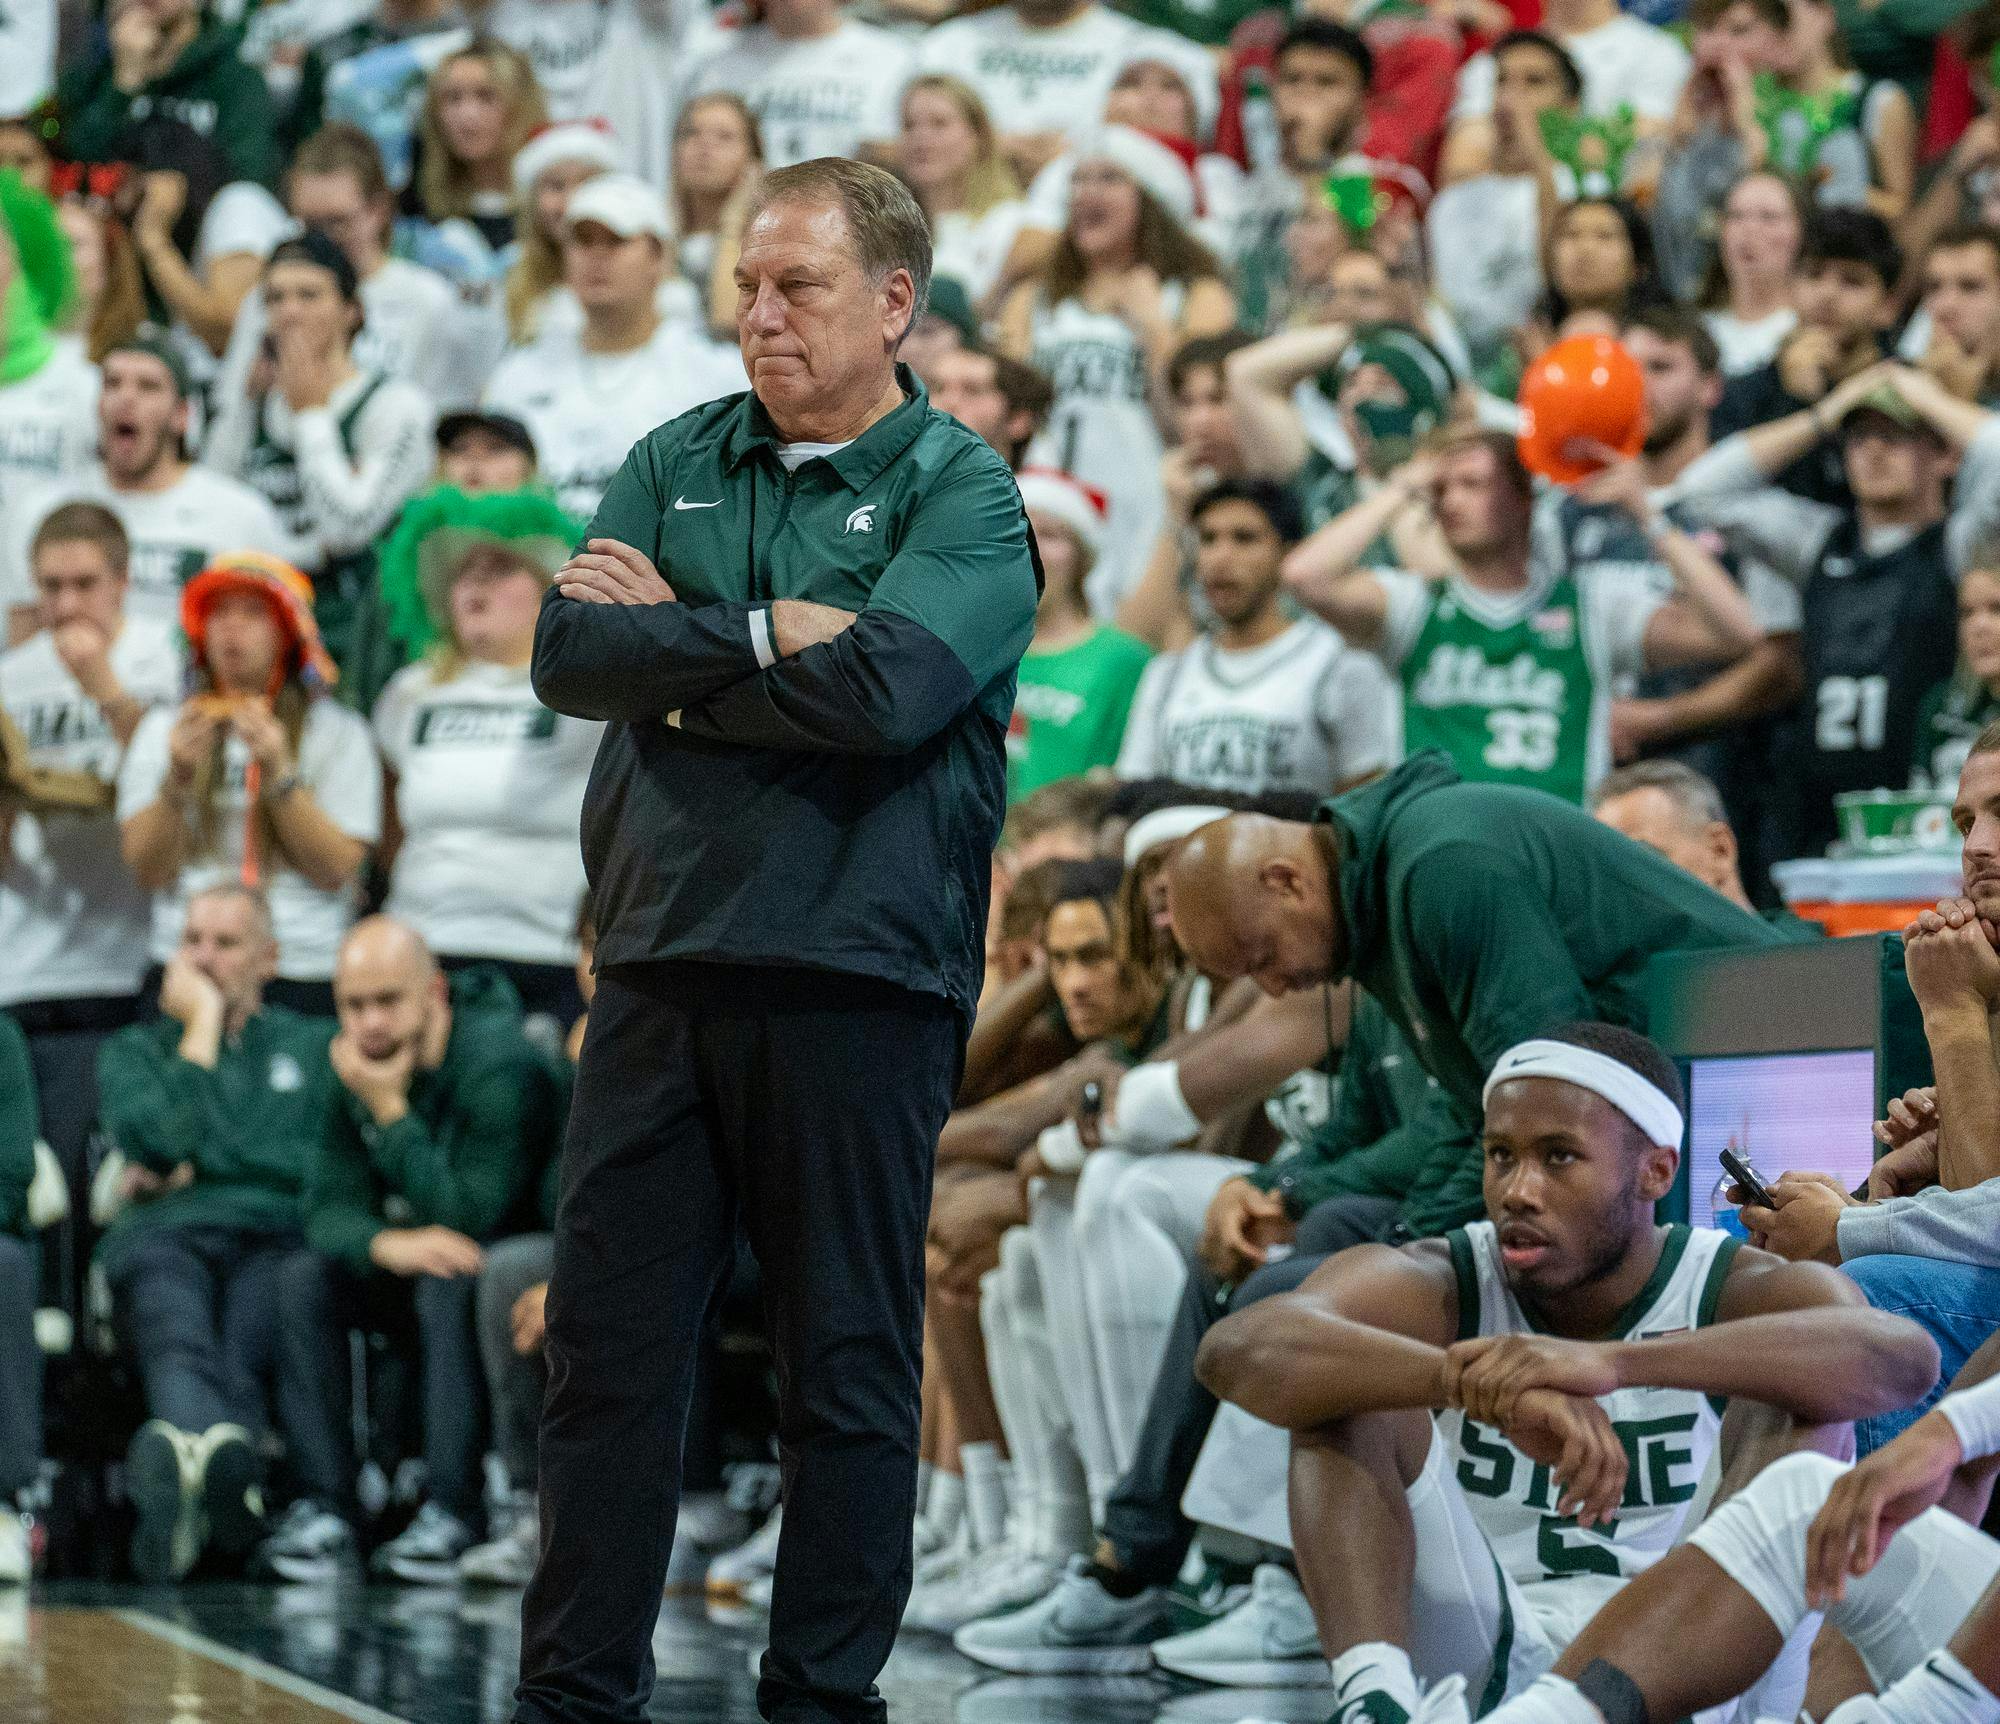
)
(862, 520)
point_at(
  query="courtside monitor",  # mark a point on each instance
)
(1789, 1055)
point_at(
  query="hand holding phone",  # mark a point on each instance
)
(1755, 1188)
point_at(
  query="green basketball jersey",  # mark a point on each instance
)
(1512, 702)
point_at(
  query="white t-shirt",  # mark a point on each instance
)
(27, 53)
(1746, 347)
(1486, 253)
(72, 919)
(972, 249)
(337, 764)
(586, 410)
(1056, 79)
(489, 793)
(562, 39)
(1623, 61)
(48, 425)
(175, 533)
(825, 96)
(1301, 712)
(243, 219)
(559, 314)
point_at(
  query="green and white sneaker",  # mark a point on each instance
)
(1445, 1703)
(163, 1483)
(1076, 1628)
(228, 1481)
(1267, 1641)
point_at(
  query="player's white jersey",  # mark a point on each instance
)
(1668, 1434)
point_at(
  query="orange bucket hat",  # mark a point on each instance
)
(287, 591)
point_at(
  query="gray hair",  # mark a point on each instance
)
(260, 906)
(1693, 795)
(885, 220)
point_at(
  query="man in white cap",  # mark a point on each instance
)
(587, 397)
(1491, 1433)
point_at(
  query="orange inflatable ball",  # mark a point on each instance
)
(1583, 391)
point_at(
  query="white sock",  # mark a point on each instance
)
(985, 1492)
(1547, 1700)
(1938, 1691)
(1379, 1669)
(944, 1507)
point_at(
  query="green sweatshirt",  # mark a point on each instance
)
(19, 1127)
(1388, 1116)
(208, 89)
(1481, 915)
(468, 1153)
(248, 1128)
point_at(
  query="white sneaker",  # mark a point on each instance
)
(1267, 1641)
(758, 1554)
(757, 1591)
(17, 1560)
(1001, 1578)
(427, 1552)
(1077, 1628)
(508, 1557)
(1444, 1704)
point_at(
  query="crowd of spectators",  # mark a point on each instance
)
(323, 330)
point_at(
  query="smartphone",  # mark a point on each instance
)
(1752, 1183)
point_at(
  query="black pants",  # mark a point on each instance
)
(808, 1106)
(1143, 1522)
(198, 1307)
(546, 990)
(20, 1367)
(319, 1302)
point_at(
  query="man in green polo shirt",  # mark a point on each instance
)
(1478, 915)
(800, 612)
(217, 1106)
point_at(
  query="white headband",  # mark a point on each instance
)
(1165, 825)
(1644, 1103)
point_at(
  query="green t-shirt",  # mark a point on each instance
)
(1953, 714)
(1070, 711)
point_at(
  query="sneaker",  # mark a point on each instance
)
(162, 1480)
(427, 1551)
(17, 1560)
(1076, 1628)
(758, 1554)
(1443, 1704)
(1002, 1579)
(508, 1557)
(228, 1485)
(311, 1543)
(707, 1522)
(757, 1591)
(1268, 1641)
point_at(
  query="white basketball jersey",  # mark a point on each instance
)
(1668, 1434)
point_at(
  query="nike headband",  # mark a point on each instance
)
(1644, 1103)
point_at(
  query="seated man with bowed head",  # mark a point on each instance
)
(441, 1116)
(1478, 915)
(1514, 1420)
(217, 1107)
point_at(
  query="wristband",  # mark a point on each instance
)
(1975, 1415)
(1060, 1148)
(1150, 1113)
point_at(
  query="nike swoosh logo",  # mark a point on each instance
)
(683, 503)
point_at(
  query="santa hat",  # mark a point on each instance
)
(1067, 499)
(1162, 167)
(1186, 61)
(589, 140)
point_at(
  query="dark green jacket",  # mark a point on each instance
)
(248, 1128)
(836, 810)
(1388, 1116)
(467, 1154)
(1481, 915)
(19, 1127)
(209, 89)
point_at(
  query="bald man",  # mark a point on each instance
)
(1478, 914)
(441, 1120)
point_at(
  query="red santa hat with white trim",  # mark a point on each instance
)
(1160, 166)
(1066, 498)
(590, 140)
